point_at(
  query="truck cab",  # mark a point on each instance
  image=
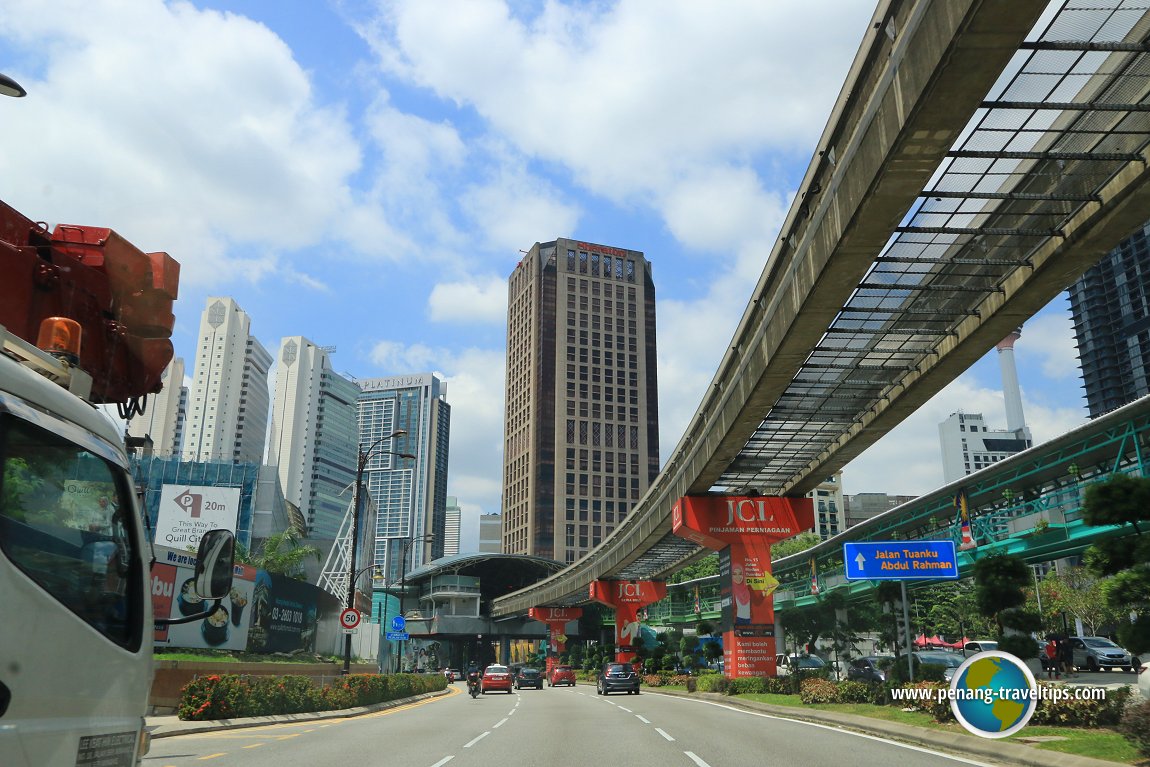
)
(75, 643)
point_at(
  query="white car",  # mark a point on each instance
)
(1144, 681)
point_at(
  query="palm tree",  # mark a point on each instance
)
(281, 553)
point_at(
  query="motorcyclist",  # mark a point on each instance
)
(472, 675)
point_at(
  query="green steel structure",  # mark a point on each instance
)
(1029, 505)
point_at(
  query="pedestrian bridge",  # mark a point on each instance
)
(981, 156)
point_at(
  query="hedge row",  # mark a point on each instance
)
(228, 696)
(1065, 713)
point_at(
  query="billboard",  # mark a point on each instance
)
(188, 511)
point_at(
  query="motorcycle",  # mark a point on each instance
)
(473, 686)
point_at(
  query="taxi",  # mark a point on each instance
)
(495, 677)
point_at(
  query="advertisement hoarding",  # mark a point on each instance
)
(188, 511)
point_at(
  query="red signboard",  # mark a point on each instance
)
(627, 597)
(715, 521)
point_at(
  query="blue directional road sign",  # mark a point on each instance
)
(398, 636)
(900, 560)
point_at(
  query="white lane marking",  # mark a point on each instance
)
(443, 761)
(512, 711)
(629, 711)
(889, 742)
(641, 719)
(476, 740)
(664, 734)
(497, 725)
(690, 756)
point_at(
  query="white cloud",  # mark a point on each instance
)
(478, 300)
(908, 460)
(188, 131)
(512, 203)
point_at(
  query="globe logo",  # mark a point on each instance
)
(993, 694)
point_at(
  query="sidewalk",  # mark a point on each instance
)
(995, 751)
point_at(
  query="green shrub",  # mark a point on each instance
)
(753, 685)
(815, 690)
(934, 704)
(779, 685)
(1135, 727)
(1082, 713)
(713, 683)
(227, 696)
(855, 692)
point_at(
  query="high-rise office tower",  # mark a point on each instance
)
(228, 406)
(453, 518)
(163, 418)
(410, 494)
(581, 427)
(314, 432)
(1110, 306)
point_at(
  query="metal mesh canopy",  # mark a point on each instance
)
(1069, 114)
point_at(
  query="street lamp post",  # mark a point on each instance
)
(10, 87)
(403, 583)
(361, 464)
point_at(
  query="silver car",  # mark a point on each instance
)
(1094, 653)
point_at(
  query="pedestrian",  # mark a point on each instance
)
(1066, 657)
(1050, 659)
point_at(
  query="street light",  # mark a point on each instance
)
(403, 579)
(361, 464)
(10, 87)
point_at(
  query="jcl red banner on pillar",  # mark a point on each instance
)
(714, 521)
(556, 619)
(627, 597)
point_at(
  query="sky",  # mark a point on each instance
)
(367, 174)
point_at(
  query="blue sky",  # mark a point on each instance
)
(366, 172)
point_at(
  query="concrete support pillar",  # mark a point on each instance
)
(556, 619)
(627, 597)
(742, 530)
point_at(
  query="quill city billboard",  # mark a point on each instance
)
(187, 512)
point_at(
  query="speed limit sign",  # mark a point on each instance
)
(349, 618)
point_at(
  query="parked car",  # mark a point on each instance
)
(614, 677)
(785, 665)
(978, 645)
(529, 677)
(1094, 653)
(867, 669)
(1144, 681)
(495, 677)
(561, 675)
(950, 661)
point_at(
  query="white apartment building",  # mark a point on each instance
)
(162, 420)
(313, 435)
(228, 406)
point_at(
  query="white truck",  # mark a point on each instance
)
(76, 636)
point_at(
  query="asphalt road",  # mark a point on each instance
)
(556, 727)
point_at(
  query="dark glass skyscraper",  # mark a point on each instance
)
(581, 426)
(1110, 306)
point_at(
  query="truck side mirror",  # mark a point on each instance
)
(214, 562)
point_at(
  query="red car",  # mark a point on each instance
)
(496, 678)
(561, 675)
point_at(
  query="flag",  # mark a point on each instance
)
(964, 521)
(814, 577)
